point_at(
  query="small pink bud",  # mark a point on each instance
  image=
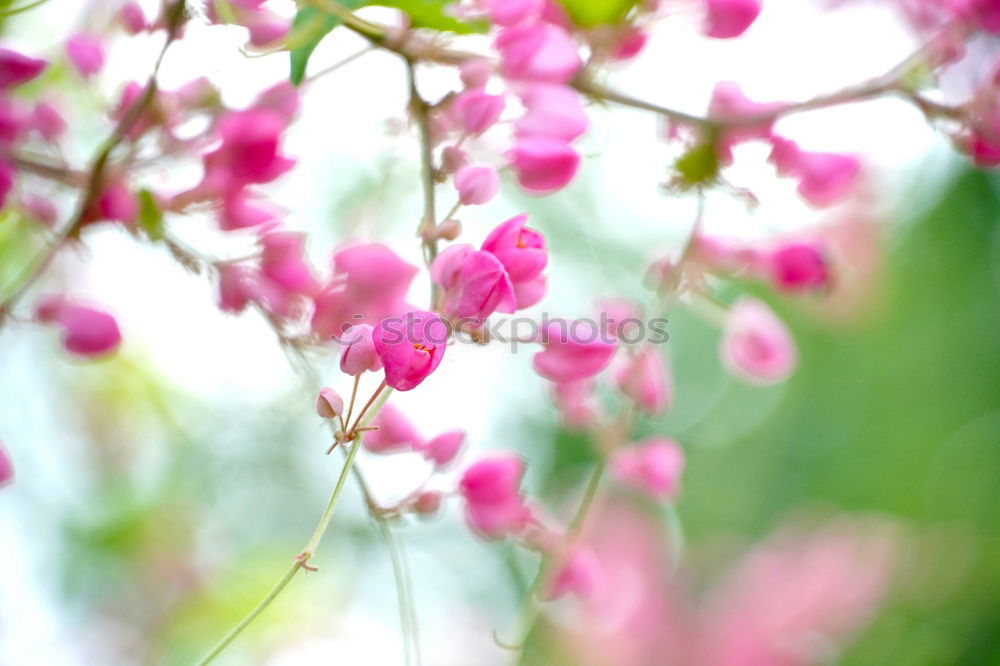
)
(453, 158)
(427, 503)
(730, 18)
(491, 489)
(553, 110)
(537, 52)
(798, 266)
(85, 53)
(395, 432)
(573, 351)
(236, 286)
(47, 121)
(117, 203)
(544, 164)
(646, 379)
(411, 347)
(358, 353)
(756, 345)
(653, 466)
(826, 178)
(443, 449)
(476, 111)
(16, 68)
(267, 29)
(87, 332)
(40, 209)
(6, 467)
(132, 18)
(476, 72)
(630, 44)
(477, 184)
(329, 404)
(449, 229)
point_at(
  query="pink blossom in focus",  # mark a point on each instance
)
(411, 347)
(647, 380)
(756, 345)
(572, 351)
(395, 432)
(357, 353)
(491, 490)
(521, 250)
(87, 331)
(16, 68)
(477, 184)
(725, 19)
(85, 53)
(329, 404)
(537, 52)
(543, 164)
(474, 284)
(653, 466)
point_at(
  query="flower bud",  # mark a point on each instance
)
(427, 503)
(477, 184)
(86, 54)
(358, 353)
(476, 72)
(329, 404)
(395, 433)
(543, 164)
(444, 448)
(653, 466)
(537, 52)
(756, 345)
(476, 111)
(726, 19)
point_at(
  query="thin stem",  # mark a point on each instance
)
(354, 395)
(300, 561)
(421, 113)
(403, 596)
(361, 415)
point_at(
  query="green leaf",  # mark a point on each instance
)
(150, 215)
(434, 14)
(591, 13)
(308, 30)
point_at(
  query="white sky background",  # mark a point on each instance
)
(168, 316)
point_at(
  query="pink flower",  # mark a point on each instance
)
(453, 158)
(329, 404)
(575, 400)
(474, 283)
(798, 266)
(477, 184)
(249, 152)
(16, 68)
(756, 345)
(426, 503)
(236, 287)
(553, 110)
(512, 12)
(530, 292)
(117, 203)
(476, 72)
(646, 379)
(358, 353)
(577, 575)
(132, 18)
(6, 467)
(241, 211)
(573, 351)
(47, 121)
(410, 347)
(368, 280)
(537, 52)
(87, 332)
(491, 489)
(85, 53)
(443, 449)
(395, 432)
(630, 43)
(725, 19)
(824, 178)
(281, 98)
(476, 111)
(521, 250)
(543, 164)
(267, 29)
(729, 104)
(7, 175)
(40, 208)
(653, 466)
(283, 264)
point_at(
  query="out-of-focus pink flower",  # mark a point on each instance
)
(282, 262)
(521, 250)
(537, 52)
(552, 110)
(250, 151)
(267, 29)
(395, 432)
(411, 347)
(17, 68)
(572, 351)
(720, 255)
(798, 266)
(235, 287)
(241, 211)
(47, 121)
(357, 352)
(653, 466)
(756, 345)
(444, 448)
(453, 158)
(512, 12)
(630, 43)
(647, 380)
(369, 283)
(474, 284)
(476, 72)
(984, 153)
(329, 404)
(530, 292)
(730, 105)
(7, 175)
(476, 110)
(116, 203)
(575, 401)
(477, 184)
(577, 575)
(87, 331)
(85, 53)
(40, 208)
(725, 19)
(282, 98)
(491, 489)
(132, 18)
(543, 164)
(6, 467)
(824, 178)
(427, 502)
